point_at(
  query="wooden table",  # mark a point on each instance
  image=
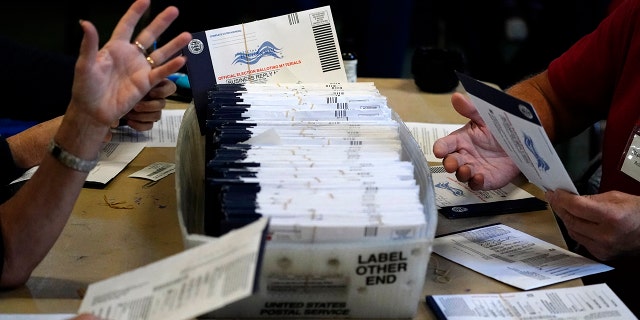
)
(103, 240)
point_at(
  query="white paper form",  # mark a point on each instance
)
(596, 301)
(113, 158)
(163, 134)
(513, 257)
(188, 284)
(426, 135)
(451, 192)
(516, 126)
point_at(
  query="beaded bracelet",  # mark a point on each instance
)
(70, 160)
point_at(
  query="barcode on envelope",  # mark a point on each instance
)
(293, 18)
(323, 35)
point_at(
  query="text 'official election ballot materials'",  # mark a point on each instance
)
(516, 126)
(293, 48)
(596, 301)
(513, 257)
(345, 186)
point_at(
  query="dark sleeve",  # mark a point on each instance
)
(9, 170)
(1, 253)
(40, 79)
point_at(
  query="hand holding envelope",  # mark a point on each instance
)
(516, 126)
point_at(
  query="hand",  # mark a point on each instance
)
(149, 110)
(110, 81)
(107, 84)
(473, 153)
(606, 224)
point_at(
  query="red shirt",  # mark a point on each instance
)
(599, 76)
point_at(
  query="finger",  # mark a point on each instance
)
(140, 126)
(477, 183)
(580, 229)
(160, 72)
(127, 24)
(449, 143)
(451, 163)
(160, 23)
(162, 90)
(583, 207)
(444, 146)
(148, 106)
(89, 44)
(465, 108)
(170, 49)
(463, 173)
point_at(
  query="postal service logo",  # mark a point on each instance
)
(266, 49)
(196, 46)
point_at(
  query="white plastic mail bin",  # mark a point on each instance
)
(372, 279)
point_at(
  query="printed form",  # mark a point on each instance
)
(185, 285)
(514, 257)
(596, 301)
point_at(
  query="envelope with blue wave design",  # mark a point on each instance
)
(300, 47)
(517, 127)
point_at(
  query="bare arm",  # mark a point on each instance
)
(107, 84)
(558, 120)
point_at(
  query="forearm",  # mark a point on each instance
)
(559, 121)
(535, 91)
(33, 219)
(28, 147)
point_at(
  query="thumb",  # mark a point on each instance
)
(89, 44)
(465, 107)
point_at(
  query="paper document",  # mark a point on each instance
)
(513, 257)
(454, 199)
(188, 284)
(426, 135)
(516, 126)
(155, 171)
(596, 301)
(163, 134)
(114, 157)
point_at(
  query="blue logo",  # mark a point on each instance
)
(541, 163)
(446, 186)
(266, 49)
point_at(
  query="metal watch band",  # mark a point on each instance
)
(70, 160)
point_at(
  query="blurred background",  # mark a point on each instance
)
(502, 41)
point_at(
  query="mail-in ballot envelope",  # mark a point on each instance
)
(298, 47)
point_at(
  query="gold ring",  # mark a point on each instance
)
(141, 47)
(151, 62)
